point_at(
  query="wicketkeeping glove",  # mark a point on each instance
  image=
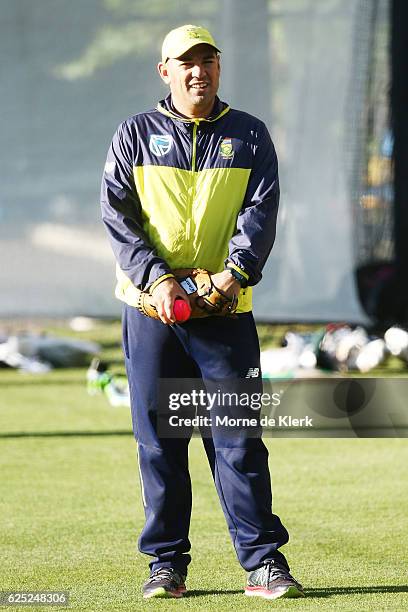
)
(204, 297)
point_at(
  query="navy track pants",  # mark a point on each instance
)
(210, 348)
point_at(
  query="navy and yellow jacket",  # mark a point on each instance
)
(183, 193)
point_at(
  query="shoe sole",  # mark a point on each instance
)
(291, 592)
(161, 593)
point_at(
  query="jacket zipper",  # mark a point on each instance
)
(192, 185)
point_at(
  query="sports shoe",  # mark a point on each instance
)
(272, 581)
(164, 582)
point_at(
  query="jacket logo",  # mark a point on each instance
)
(160, 144)
(226, 148)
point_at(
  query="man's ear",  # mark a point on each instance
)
(164, 73)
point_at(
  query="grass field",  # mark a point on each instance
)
(71, 508)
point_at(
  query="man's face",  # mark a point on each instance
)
(194, 77)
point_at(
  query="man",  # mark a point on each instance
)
(194, 183)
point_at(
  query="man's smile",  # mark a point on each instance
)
(199, 86)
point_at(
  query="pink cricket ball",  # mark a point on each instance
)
(182, 310)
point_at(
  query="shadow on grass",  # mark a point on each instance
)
(40, 381)
(202, 592)
(64, 434)
(310, 593)
(355, 590)
(110, 344)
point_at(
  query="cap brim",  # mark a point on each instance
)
(188, 47)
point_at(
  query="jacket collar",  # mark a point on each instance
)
(167, 108)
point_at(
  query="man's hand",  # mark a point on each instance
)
(163, 297)
(225, 282)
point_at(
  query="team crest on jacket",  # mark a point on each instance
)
(226, 148)
(160, 144)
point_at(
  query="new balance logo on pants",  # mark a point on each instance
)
(252, 373)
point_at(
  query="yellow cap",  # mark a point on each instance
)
(182, 39)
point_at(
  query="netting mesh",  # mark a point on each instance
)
(371, 169)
